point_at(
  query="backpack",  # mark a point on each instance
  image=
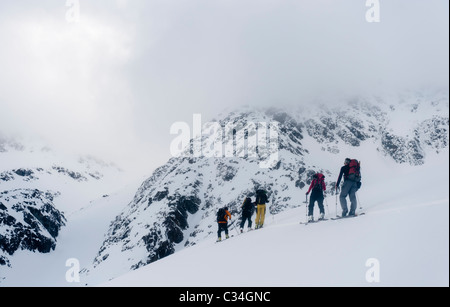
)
(261, 197)
(221, 215)
(319, 181)
(354, 173)
(248, 206)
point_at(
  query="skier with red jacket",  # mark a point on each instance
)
(318, 187)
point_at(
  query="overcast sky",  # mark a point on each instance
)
(114, 82)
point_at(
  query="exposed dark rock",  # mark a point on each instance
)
(37, 226)
(23, 172)
(74, 175)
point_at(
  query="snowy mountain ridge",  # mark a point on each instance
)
(39, 189)
(175, 208)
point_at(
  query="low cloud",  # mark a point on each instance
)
(114, 82)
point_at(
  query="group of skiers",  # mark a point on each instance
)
(350, 172)
(248, 207)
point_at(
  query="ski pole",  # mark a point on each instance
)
(231, 224)
(235, 228)
(273, 218)
(336, 191)
(306, 208)
(359, 203)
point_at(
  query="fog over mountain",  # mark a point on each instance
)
(125, 124)
(113, 76)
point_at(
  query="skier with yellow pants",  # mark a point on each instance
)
(261, 200)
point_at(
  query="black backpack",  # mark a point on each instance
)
(261, 197)
(248, 206)
(221, 215)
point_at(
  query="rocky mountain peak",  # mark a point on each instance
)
(176, 207)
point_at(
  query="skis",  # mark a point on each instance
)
(238, 234)
(248, 230)
(338, 217)
(231, 236)
(313, 222)
(332, 218)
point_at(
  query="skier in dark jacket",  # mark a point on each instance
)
(248, 207)
(349, 188)
(318, 187)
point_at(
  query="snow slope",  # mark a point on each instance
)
(406, 229)
(175, 208)
(79, 239)
(404, 194)
(87, 193)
